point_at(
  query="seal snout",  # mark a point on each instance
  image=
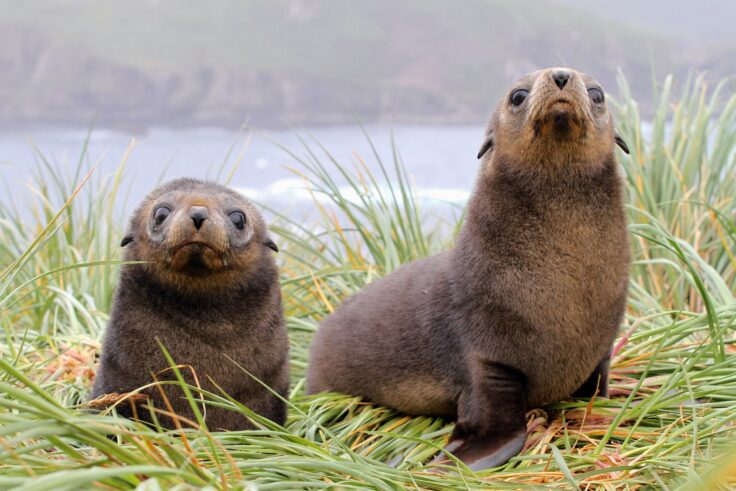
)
(561, 78)
(197, 240)
(198, 214)
(560, 108)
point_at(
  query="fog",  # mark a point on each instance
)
(152, 63)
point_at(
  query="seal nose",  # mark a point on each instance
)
(198, 214)
(561, 77)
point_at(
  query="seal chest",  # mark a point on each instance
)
(208, 290)
(524, 309)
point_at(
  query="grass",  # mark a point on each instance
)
(669, 424)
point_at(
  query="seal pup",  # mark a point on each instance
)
(524, 309)
(208, 291)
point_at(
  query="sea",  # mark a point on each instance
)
(439, 160)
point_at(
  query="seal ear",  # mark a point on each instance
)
(486, 145)
(271, 244)
(621, 143)
(126, 240)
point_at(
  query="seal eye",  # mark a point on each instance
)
(238, 219)
(519, 96)
(160, 214)
(596, 95)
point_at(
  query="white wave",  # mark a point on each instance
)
(295, 189)
(448, 195)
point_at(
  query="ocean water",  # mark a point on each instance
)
(440, 160)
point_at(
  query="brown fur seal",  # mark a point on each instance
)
(210, 290)
(524, 309)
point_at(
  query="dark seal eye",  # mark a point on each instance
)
(160, 214)
(238, 219)
(596, 95)
(518, 96)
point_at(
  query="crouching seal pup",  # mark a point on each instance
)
(209, 292)
(524, 309)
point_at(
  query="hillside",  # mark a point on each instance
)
(148, 62)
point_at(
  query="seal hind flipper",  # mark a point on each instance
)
(486, 452)
(597, 382)
(491, 424)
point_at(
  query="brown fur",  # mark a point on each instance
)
(207, 294)
(524, 309)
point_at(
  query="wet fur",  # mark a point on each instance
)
(201, 319)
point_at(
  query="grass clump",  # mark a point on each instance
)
(669, 423)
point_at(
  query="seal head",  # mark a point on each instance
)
(196, 235)
(557, 108)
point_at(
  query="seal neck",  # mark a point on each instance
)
(547, 182)
(249, 291)
(507, 200)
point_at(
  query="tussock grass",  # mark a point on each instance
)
(669, 424)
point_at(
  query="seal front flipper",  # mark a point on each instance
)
(597, 382)
(491, 425)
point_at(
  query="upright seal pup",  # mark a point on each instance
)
(208, 291)
(524, 309)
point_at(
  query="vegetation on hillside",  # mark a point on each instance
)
(670, 422)
(142, 62)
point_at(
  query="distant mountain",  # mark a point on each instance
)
(223, 62)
